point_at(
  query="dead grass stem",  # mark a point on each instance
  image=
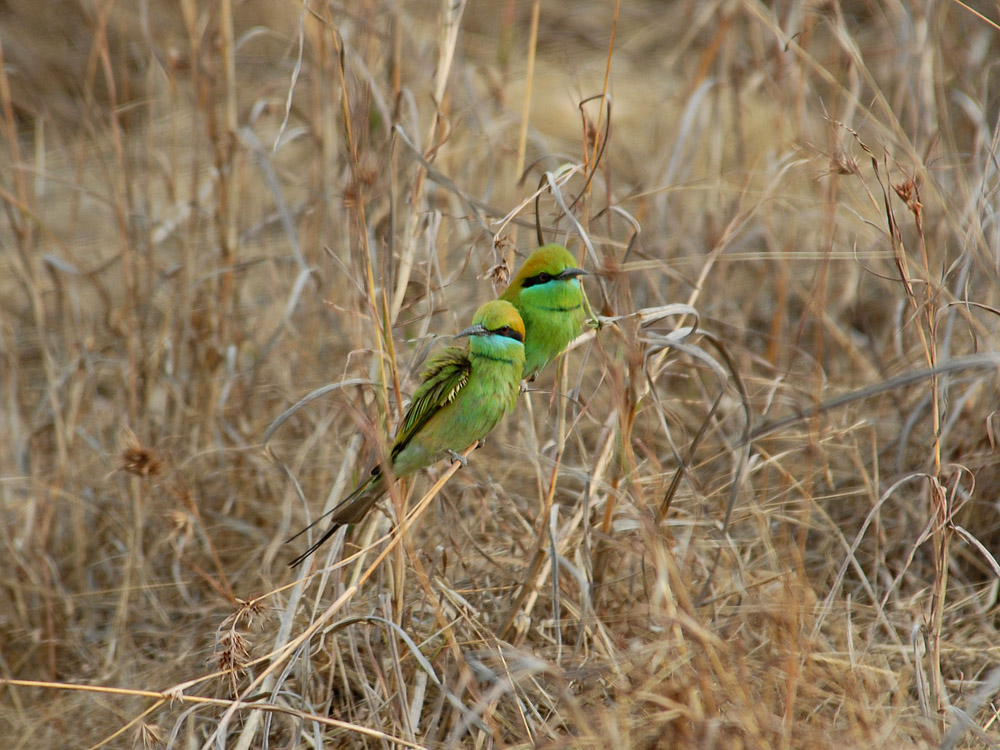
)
(755, 507)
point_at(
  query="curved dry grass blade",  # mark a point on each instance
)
(964, 717)
(987, 555)
(473, 205)
(311, 396)
(599, 148)
(957, 364)
(584, 235)
(563, 174)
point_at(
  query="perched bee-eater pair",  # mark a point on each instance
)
(464, 392)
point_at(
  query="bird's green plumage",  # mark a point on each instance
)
(463, 394)
(446, 375)
(547, 294)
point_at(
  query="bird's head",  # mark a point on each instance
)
(497, 319)
(549, 267)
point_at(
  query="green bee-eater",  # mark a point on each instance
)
(463, 394)
(547, 294)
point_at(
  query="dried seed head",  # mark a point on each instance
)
(909, 192)
(233, 652)
(842, 162)
(250, 610)
(149, 735)
(499, 274)
(136, 458)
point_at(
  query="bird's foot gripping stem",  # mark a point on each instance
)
(458, 457)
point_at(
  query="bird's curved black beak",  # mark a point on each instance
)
(570, 273)
(477, 330)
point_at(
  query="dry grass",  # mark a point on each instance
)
(213, 209)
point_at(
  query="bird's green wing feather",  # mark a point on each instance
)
(446, 375)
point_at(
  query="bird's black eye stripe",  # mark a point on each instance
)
(510, 333)
(541, 278)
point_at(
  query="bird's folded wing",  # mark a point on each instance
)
(446, 375)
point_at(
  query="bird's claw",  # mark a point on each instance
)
(458, 457)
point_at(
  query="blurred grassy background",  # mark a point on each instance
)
(210, 210)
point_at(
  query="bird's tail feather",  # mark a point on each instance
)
(350, 510)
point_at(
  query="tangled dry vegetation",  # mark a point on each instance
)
(758, 508)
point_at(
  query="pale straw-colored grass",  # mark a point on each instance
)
(756, 509)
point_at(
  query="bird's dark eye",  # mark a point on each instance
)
(510, 333)
(541, 278)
